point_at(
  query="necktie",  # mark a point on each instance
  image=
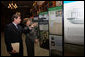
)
(16, 26)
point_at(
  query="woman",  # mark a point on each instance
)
(30, 36)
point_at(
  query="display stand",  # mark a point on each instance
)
(43, 30)
(55, 30)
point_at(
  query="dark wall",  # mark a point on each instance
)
(5, 16)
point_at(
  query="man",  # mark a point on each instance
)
(13, 34)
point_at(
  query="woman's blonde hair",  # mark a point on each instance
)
(25, 20)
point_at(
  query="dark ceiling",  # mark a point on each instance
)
(23, 7)
(19, 3)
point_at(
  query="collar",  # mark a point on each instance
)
(14, 23)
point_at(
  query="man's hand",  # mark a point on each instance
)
(13, 51)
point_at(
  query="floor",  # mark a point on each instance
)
(73, 50)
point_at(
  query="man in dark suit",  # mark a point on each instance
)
(13, 34)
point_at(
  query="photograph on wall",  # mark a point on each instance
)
(43, 27)
(58, 3)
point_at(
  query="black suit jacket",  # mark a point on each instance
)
(12, 35)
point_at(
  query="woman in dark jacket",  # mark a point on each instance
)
(30, 36)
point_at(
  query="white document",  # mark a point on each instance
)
(15, 46)
(43, 27)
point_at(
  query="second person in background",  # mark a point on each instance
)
(30, 35)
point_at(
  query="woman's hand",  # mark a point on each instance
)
(35, 24)
(32, 25)
(36, 40)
